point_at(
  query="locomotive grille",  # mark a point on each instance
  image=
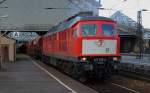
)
(99, 59)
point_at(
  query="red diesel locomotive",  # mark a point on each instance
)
(83, 46)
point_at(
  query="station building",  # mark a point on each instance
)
(7, 49)
(127, 28)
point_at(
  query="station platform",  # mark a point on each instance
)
(26, 76)
(134, 60)
(130, 63)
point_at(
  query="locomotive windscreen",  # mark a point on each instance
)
(108, 29)
(89, 29)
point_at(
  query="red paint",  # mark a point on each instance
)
(66, 44)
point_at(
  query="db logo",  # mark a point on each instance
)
(99, 43)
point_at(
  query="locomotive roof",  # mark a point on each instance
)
(71, 21)
(93, 18)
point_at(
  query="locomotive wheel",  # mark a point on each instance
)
(75, 71)
(108, 71)
(69, 68)
(78, 73)
(64, 66)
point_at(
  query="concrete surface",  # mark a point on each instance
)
(24, 77)
(132, 59)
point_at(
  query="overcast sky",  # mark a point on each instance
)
(129, 8)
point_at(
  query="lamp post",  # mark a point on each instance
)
(140, 33)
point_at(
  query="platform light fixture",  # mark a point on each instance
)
(4, 16)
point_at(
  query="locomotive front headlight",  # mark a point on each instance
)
(83, 59)
(115, 59)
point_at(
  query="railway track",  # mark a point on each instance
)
(123, 82)
(118, 84)
(138, 76)
(115, 85)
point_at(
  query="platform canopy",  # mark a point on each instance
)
(31, 15)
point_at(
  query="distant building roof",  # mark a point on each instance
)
(7, 40)
(123, 19)
(128, 24)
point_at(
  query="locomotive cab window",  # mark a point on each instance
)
(89, 29)
(108, 29)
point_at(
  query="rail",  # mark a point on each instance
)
(142, 70)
